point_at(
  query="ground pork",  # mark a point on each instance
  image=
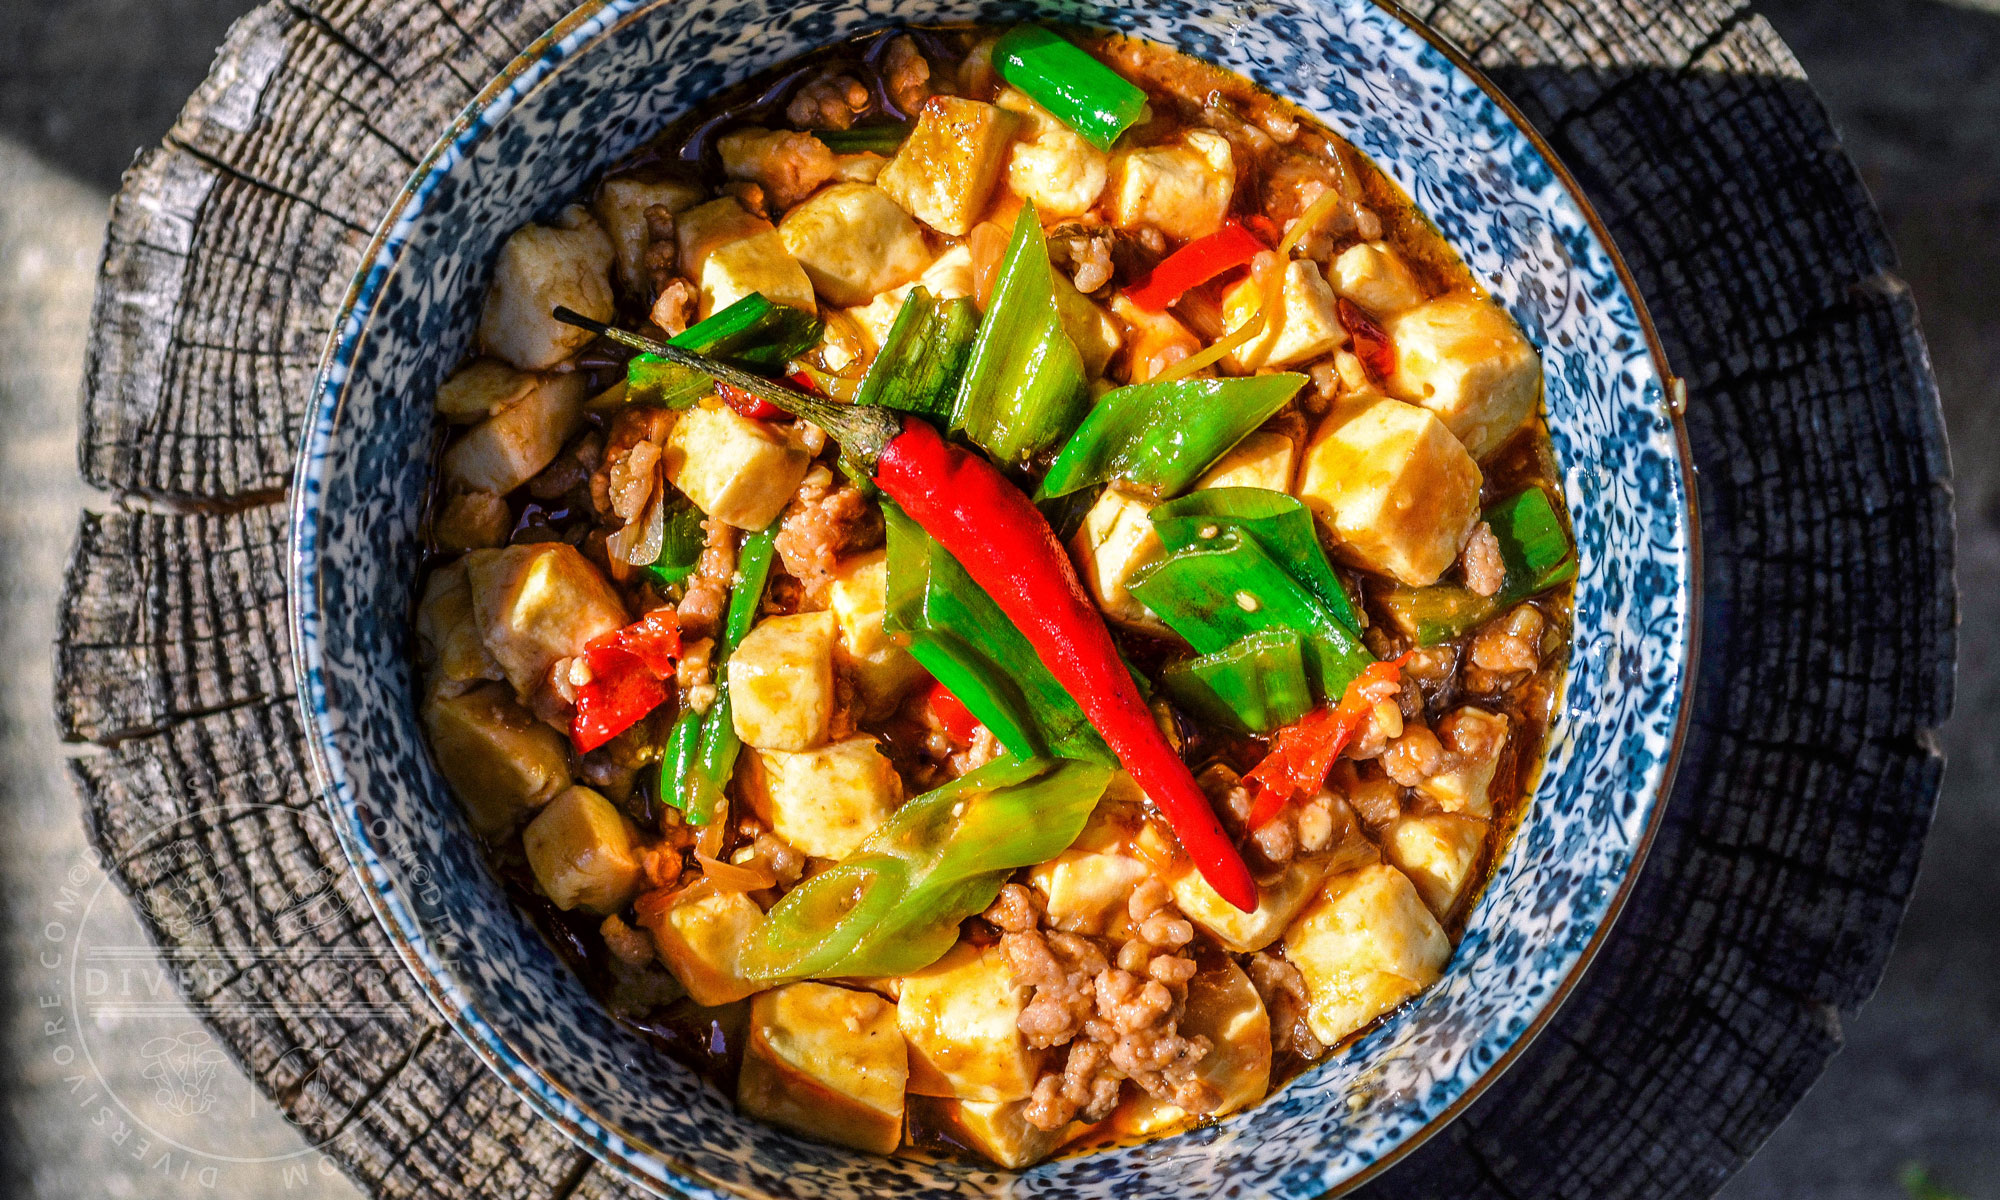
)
(1505, 650)
(831, 101)
(707, 596)
(1284, 993)
(906, 74)
(663, 253)
(825, 522)
(1485, 570)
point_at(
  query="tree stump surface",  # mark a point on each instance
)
(1763, 917)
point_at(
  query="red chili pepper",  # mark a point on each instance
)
(754, 407)
(1006, 545)
(1371, 343)
(628, 668)
(959, 723)
(1195, 264)
(1303, 752)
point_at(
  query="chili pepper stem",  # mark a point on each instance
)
(861, 432)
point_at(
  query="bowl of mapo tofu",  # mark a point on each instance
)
(909, 604)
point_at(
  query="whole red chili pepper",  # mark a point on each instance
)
(1006, 546)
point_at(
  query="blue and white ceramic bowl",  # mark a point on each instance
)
(587, 94)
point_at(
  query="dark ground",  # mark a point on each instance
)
(1915, 88)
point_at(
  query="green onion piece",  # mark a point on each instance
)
(895, 904)
(1062, 77)
(718, 747)
(1024, 388)
(677, 762)
(1253, 686)
(1281, 524)
(923, 357)
(878, 139)
(752, 333)
(1538, 557)
(1163, 435)
(680, 548)
(960, 636)
(1227, 588)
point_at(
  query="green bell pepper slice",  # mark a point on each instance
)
(1281, 524)
(1163, 435)
(1538, 555)
(1253, 686)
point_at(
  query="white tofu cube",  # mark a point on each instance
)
(481, 388)
(827, 1063)
(1222, 1006)
(739, 471)
(471, 521)
(621, 206)
(1374, 276)
(758, 263)
(1365, 945)
(698, 934)
(1399, 492)
(944, 172)
(499, 760)
(787, 164)
(1438, 852)
(827, 800)
(854, 242)
(1474, 739)
(1051, 166)
(998, 1132)
(537, 603)
(781, 682)
(1181, 189)
(538, 268)
(1278, 901)
(1095, 334)
(1116, 539)
(1261, 460)
(1087, 888)
(1154, 341)
(447, 631)
(582, 852)
(1462, 358)
(949, 277)
(705, 227)
(512, 446)
(1306, 326)
(961, 1018)
(882, 669)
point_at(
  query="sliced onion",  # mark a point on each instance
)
(729, 877)
(641, 541)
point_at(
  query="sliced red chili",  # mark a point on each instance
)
(628, 669)
(1372, 344)
(959, 723)
(1195, 264)
(754, 407)
(1303, 753)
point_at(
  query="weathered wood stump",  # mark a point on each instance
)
(1764, 915)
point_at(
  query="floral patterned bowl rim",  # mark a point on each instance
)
(395, 884)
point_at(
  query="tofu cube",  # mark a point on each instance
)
(1181, 189)
(1365, 945)
(758, 263)
(698, 936)
(1474, 737)
(621, 206)
(582, 852)
(472, 521)
(1374, 276)
(1398, 491)
(824, 801)
(512, 446)
(1261, 460)
(1278, 901)
(949, 277)
(787, 164)
(1438, 852)
(1462, 358)
(881, 668)
(739, 471)
(1153, 341)
(537, 603)
(481, 388)
(996, 1131)
(1087, 888)
(961, 1019)
(538, 268)
(781, 682)
(1095, 334)
(827, 1063)
(447, 631)
(854, 242)
(1307, 324)
(701, 229)
(1051, 166)
(1222, 1006)
(944, 172)
(499, 760)
(1115, 540)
